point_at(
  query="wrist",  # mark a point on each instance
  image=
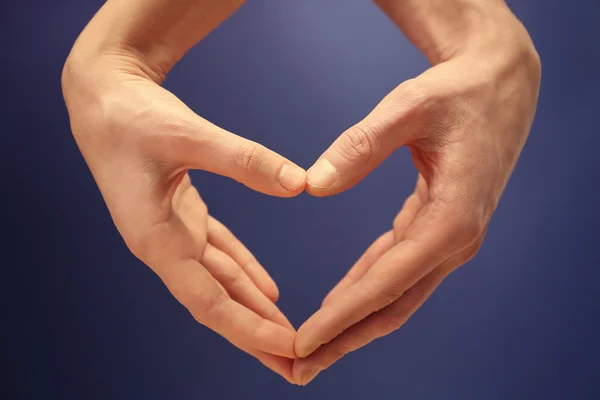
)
(147, 38)
(444, 29)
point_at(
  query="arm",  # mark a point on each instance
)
(139, 142)
(465, 121)
(153, 34)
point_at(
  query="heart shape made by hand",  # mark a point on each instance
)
(465, 121)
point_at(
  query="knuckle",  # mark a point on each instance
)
(174, 136)
(248, 157)
(380, 295)
(359, 142)
(362, 337)
(389, 295)
(341, 349)
(257, 330)
(120, 117)
(156, 130)
(249, 263)
(116, 121)
(471, 255)
(269, 311)
(112, 112)
(414, 91)
(392, 324)
(202, 305)
(100, 121)
(235, 280)
(470, 229)
(422, 100)
(473, 249)
(203, 309)
(404, 217)
(430, 110)
(398, 224)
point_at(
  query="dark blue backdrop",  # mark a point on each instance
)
(83, 319)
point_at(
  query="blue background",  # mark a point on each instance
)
(83, 319)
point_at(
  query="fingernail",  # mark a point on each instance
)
(322, 175)
(309, 375)
(291, 177)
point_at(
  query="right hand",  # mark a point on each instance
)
(139, 141)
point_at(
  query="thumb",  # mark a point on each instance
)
(207, 147)
(360, 149)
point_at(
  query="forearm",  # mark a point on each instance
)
(443, 29)
(154, 34)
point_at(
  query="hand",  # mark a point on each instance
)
(465, 122)
(139, 141)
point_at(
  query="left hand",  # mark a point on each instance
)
(465, 122)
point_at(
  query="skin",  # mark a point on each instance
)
(465, 121)
(139, 142)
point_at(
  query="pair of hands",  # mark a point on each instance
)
(465, 121)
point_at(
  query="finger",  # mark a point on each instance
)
(374, 326)
(376, 250)
(240, 287)
(157, 235)
(437, 232)
(277, 364)
(280, 365)
(411, 207)
(222, 238)
(195, 288)
(385, 242)
(221, 266)
(381, 323)
(364, 146)
(198, 144)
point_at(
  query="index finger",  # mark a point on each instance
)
(195, 288)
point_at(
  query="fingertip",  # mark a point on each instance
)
(280, 365)
(327, 178)
(255, 166)
(280, 319)
(298, 345)
(288, 336)
(309, 375)
(272, 292)
(260, 276)
(297, 369)
(303, 373)
(318, 192)
(271, 337)
(283, 321)
(292, 178)
(304, 344)
(321, 178)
